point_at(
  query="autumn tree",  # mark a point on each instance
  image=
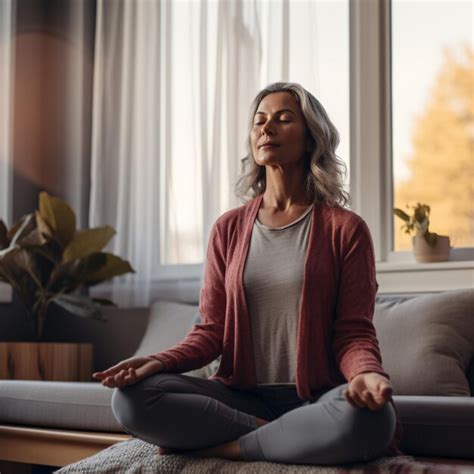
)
(442, 160)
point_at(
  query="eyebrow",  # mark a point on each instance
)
(277, 112)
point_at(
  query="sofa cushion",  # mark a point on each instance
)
(168, 324)
(67, 405)
(427, 342)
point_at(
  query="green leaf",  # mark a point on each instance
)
(88, 241)
(78, 305)
(70, 275)
(401, 214)
(59, 216)
(43, 227)
(431, 238)
(114, 266)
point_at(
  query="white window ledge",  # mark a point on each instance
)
(414, 277)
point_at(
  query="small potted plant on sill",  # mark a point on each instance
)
(47, 261)
(427, 246)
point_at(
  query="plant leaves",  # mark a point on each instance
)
(59, 216)
(114, 266)
(401, 214)
(14, 267)
(78, 305)
(88, 241)
(431, 238)
(21, 228)
(43, 227)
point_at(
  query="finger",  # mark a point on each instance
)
(386, 391)
(127, 377)
(356, 396)
(350, 399)
(370, 401)
(115, 369)
(383, 394)
(119, 378)
(106, 382)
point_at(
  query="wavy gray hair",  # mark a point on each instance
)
(325, 170)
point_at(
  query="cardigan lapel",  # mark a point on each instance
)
(244, 346)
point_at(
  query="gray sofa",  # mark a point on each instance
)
(427, 346)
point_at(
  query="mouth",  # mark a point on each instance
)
(269, 146)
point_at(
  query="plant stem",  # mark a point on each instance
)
(41, 317)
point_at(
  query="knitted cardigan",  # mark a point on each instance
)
(336, 339)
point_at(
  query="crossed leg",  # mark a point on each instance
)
(188, 414)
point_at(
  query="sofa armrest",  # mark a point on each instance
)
(435, 409)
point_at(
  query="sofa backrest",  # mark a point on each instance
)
(170, 321)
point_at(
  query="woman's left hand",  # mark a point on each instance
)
(369, 389)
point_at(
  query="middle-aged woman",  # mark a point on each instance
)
(287, 301)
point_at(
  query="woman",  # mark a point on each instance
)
(288, 299)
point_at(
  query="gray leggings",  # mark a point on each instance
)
(185, 412)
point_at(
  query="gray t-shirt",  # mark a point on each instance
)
(273, 279)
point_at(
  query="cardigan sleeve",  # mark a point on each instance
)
(354, 342)
(203, 343)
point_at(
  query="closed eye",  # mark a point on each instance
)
(284, 121)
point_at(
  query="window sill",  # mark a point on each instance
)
(414, 277)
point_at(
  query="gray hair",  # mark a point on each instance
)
(324, 181)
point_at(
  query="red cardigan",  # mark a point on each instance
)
(336, 339)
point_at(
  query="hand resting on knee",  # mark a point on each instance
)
(129, 371)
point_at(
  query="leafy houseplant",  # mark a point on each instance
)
(418, 222)
(47, 260)
(428, 246)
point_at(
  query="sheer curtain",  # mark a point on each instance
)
(173, 83)
(7, 10)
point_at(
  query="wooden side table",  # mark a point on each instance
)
(48, 361)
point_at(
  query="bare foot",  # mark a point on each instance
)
(227, 450)
(170, 450)
(261, 422)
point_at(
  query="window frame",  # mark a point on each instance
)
(372, 156)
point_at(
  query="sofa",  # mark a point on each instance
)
(426, 343)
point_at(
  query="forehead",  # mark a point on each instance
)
(277, 101)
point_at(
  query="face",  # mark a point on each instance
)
(280, 122)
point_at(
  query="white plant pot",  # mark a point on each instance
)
(426, 253)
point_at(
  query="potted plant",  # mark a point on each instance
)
(427, 246)
(47, 261)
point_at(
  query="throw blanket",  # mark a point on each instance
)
(135, 456)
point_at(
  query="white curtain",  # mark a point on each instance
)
(173, 83)
(7, 11)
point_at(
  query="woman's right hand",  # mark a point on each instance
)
(129, 371)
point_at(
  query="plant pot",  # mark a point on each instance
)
(52, 361)
(426, 253)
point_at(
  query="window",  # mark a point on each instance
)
(433, 116)
(312, 49)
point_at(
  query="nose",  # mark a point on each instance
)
(267, 129)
